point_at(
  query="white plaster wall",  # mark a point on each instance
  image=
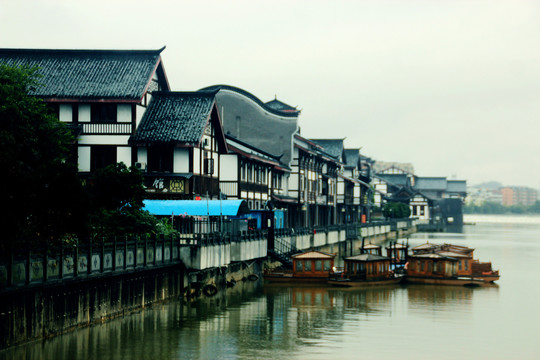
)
(66, 113)
(83, 153)
(139, 112)
(103, 139)
(123, 113)
(303, 242)
(319, 239)
(84, 113)
(293, 182)
(333, 237)
(228, 167)
(340, 188)
(123, 154)
(196, 161)
(181, 160)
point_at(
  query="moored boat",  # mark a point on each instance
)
(364, 270)
(308, 267)
(448, 265)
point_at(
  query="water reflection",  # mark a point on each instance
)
(287, 322)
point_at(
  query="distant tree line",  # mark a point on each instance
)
(497, 208)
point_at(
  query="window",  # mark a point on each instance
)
(160, 159)
(103, 113)
(318, 265)
(326, 265)
(299, 266)
(101, 156)
(308, 265)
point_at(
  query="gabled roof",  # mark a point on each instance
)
(352, 158)
(314, 255)
(430, 183)
(333, 147)
(398, 180)
(178, 118)
(457, 186)
(281, 106)
(91, 75)
(366, 257)
(217, 88)
(251, 152)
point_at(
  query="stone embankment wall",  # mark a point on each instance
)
(41, 312)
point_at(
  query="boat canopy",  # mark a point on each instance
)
(197, 207)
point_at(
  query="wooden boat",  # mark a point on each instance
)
(308, 267)
(364, 270)
(448, 265)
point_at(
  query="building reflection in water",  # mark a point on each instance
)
(251, 321)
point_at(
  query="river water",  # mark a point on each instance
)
(252, 321)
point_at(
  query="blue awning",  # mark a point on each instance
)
(197, 207)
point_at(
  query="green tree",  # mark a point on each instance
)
(116, 200)
(396, 210)
(39, 188)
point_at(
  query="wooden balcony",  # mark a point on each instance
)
(106, 129)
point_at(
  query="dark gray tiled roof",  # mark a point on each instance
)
(280, 106)
(430, 183)
(292, 114)
(88, 74)
(366, 257)
(352, 157)
(457, 186)
(175, 118)
(333, 147)
(395, 179)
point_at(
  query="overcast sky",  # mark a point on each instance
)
(452, 87)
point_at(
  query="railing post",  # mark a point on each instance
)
(61, 270)
(76, 259)
(102, 262)
(125, 251)
(114, 254)
(89, 260)
(28, 266)
(46, 261)
(145, 250)
(11, 261)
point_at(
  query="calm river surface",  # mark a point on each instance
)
(401, 322)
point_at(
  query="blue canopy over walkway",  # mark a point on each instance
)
(197, 207)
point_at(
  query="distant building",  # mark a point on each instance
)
(518, 195)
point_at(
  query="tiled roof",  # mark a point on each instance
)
(88, 74)
(281, 106)
(457, 186)
(432, 256)
(352, 157)
(333, 147)
(314, 255)
(372, 246)
(175, 118)
(291, 114)
(430, 183)
(367, 257)
(395, 179)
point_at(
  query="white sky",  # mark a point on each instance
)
(450, 86)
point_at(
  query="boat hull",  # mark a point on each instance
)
(288, 278)
(459, 281)
(363, 283)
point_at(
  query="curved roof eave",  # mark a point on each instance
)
(253, 98)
